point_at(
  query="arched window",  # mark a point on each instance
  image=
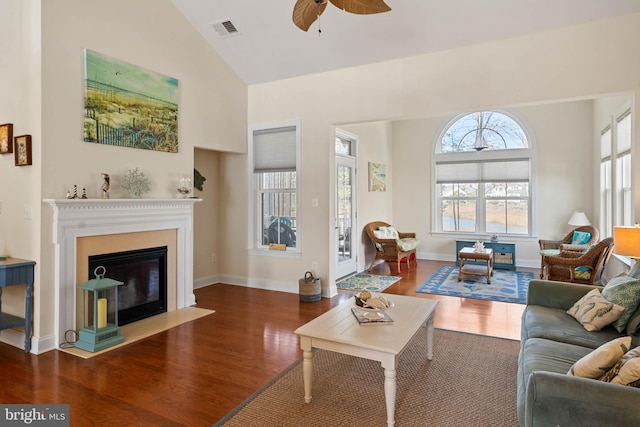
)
(483, 175)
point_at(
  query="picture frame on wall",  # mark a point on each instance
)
(6, 138)
(377, 177)
(22, 150)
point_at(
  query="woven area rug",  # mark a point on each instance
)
(506, 285)
(369, 282)
(471, 381)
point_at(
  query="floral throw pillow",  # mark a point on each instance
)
(594, 312)
(625, 291)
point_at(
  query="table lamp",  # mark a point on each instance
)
(627, 241)
(579, 219)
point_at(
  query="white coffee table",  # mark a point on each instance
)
(338, 330)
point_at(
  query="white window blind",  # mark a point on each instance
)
(623, 140)
(512, 170)
(274, 150)
(605, 143)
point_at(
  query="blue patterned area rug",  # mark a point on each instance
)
(506, 286)
(369, 282)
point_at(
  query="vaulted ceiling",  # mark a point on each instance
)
(268, 46)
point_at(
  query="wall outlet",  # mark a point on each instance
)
(314, 266)
(214, 257)
(27, 212)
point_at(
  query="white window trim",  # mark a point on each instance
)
(528, 152)
(253, 246)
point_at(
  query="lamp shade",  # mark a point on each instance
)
(579, 219)
(627, 241)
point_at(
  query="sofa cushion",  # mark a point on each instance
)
(557, 325)
(594, 311)
(408, 244)
(625, 291)
(633, 323)
(389, 232)
(599, 361)
(635, 270)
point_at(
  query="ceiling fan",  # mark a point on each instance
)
(305, 12)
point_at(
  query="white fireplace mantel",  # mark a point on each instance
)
(74, 218)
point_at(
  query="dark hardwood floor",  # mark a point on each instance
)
(196, 373)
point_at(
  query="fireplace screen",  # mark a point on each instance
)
(144, 273)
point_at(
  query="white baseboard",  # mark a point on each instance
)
(201, 282)
(328, 291)
(38, 345)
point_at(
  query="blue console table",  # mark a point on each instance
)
(15, 271)
(504, 254)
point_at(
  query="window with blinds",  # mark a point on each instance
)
(274, 153)
(483, 172)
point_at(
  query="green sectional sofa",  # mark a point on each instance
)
(551, 341)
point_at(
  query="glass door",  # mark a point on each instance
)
(345, 217)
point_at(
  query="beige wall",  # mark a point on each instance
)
(206, 221)
(576, 62)
(43, 87)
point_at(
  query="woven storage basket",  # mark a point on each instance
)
(309, 288)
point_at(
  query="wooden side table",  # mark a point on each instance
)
(467, 255)
(14, 271)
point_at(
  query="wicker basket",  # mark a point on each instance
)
(309, 288)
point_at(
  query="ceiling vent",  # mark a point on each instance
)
(225, 28)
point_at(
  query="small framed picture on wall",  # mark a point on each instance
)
(6, 138)
(22, 150)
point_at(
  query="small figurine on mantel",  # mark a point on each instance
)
(478, 246)
(75, 193)
(105, 185)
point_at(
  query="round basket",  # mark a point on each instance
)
(309, 290)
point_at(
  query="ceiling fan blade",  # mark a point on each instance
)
(305, 12)
(362, 7)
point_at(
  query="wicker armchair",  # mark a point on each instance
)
(389, 249)
(565, 244)
(577, 267)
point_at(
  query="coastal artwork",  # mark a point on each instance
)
(129, 106)
(377, 177)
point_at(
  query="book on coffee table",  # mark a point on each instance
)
(371, 317)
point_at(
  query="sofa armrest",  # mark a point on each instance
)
(549, 293)
(558, 399)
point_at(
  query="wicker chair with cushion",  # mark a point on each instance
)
(577, 267)
(391, 245)
(576, 241)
